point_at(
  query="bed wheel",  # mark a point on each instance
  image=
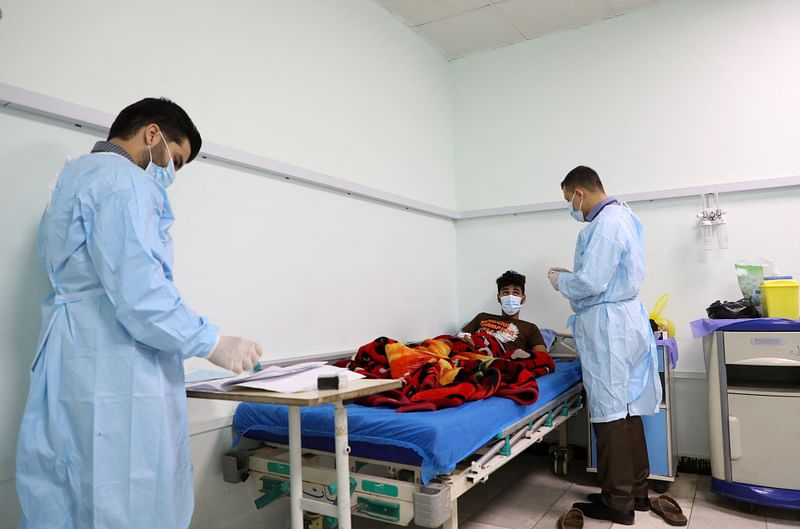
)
(561, 461)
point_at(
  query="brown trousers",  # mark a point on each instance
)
(622, 463)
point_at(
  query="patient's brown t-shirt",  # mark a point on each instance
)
(512, 333)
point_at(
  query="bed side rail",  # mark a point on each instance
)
(564, 346)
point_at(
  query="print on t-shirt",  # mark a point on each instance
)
(512, 333)
(504, 331)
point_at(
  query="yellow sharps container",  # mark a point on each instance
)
(781, 297)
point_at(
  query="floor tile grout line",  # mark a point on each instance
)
(697, 496)
(694, 499)
(484, 524)
(563, 493)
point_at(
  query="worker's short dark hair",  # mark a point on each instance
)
(174, 122)
(511, 278)
(583, 176)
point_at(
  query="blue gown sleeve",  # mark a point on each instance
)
(599, 263)
(120, 230)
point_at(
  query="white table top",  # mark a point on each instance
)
(355, 389)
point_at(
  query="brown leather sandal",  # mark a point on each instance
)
(666, 507)
(572, 519)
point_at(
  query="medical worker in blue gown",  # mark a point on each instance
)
(614, 340)
(104, 437)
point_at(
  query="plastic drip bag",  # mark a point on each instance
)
(750, 274)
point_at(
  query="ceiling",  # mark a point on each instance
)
(461, 27)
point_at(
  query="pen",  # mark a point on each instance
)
(259, 366)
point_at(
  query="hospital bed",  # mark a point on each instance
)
(408, 467)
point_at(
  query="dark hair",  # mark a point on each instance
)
(172, 119)
(511, 278)
(582, 176)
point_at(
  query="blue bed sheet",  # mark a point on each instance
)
(434, 440)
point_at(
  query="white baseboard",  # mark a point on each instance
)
(689, 374)
(209, 424)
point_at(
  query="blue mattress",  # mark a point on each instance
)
(434, 440)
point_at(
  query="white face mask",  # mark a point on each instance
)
(511, 304)
(165, 176)
(576, 214)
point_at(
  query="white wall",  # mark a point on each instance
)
(338, 87)
(676, 260)
(222, 505)
(758, 225)
(28, 165)
(689, 93)
(692, 91)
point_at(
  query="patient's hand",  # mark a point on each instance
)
(467, 337)
(519, 354)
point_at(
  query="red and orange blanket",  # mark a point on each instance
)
(446, 371)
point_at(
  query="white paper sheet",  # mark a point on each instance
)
(270, 373)
(300, 381)
(202, 375)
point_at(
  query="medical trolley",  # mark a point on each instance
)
(659, 429)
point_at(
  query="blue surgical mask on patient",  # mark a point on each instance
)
(165, 176)
(511, 304)
(576, 214)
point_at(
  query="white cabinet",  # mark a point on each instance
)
(764, 436)
(754, 416)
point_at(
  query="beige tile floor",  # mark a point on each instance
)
(527, 495)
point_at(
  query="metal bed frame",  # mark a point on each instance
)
(392, 492)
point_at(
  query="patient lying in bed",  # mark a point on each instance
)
(494, 356)
(518, 337)
(447, 371)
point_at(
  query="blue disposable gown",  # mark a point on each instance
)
(104, 437)
(611, 327)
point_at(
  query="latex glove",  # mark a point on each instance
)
(552, 275)
(558, 269)
(235, 354)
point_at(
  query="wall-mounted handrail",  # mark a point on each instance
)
(80, 116)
